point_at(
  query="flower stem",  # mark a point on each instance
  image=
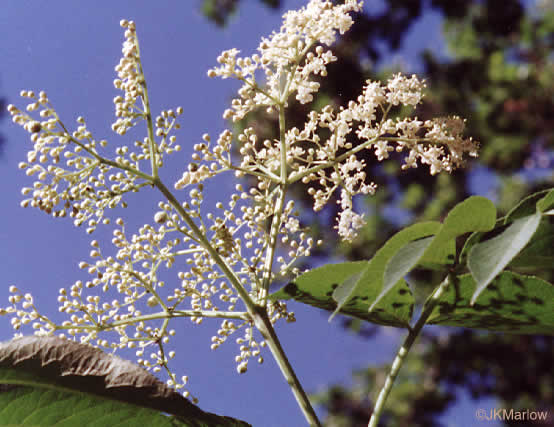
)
(263, 324)
(226, 270)
(258, 313)
(152, 148)
(403, 351)
(279, 206)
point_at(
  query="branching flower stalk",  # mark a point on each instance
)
(231, 257)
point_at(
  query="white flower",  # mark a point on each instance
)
(349, 223)
(402, 90)
(382, 149)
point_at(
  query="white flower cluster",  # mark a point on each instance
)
(215, 160)
(130, 80)
(333, 164)
(289, 59)
(128, 111)
(82, 188)
(230, 257)
(285, 57)
(132, 273)
(90, 183)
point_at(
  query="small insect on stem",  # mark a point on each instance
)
(226, 241)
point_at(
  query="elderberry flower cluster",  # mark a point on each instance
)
(130, 79)
(81, 188)
(131, 274)
(89, 183)
(289, 61)
(226, 259)
(285, 58)
(333, 164)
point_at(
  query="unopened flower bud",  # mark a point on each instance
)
(160, 217)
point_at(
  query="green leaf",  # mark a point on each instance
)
(476, 213)
(401, 264)
(528, 206)
(53, 381)
(511, 303)
(473, 214)
(344, 290)
(316, 288)
(488, 258)
(31, 406)
(539, 252)
(373, 275)
(547, 202)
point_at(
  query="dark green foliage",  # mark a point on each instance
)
(511, 303)
(319, 286)
(52, 381)
(488, 298)
(220, 11)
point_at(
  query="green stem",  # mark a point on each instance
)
(259, 316)
(299, 175)
(266, 173)
(263, 324)
(163, 315)
(230, 274)
(403, 351)
(100, 158)
(152, 148)
(279, 206)
(258, 313)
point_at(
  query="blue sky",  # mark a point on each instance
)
(69, 49)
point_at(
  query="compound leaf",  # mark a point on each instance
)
(511, 303)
